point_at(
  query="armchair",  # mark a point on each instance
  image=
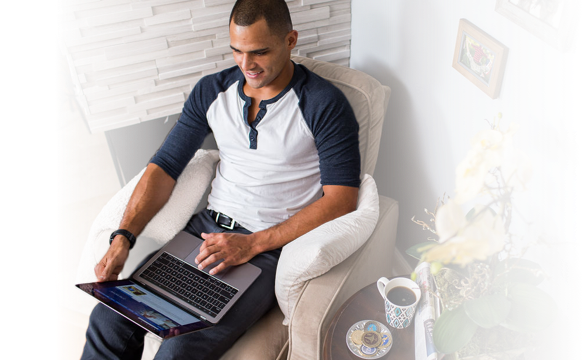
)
(321, 296)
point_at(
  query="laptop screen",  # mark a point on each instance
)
(144, 308)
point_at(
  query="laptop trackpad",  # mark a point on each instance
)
(190, 259)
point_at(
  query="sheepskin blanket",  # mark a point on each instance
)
(171, 219)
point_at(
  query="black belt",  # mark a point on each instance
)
(223, 220)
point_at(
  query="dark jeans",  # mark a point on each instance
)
(111, 336)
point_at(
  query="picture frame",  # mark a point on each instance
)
(480, 58)
(553, 21)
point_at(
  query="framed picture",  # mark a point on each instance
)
(551, 20)
(480, 58)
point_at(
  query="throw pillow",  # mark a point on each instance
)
(314, 253)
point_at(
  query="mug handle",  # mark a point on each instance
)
(382, 282)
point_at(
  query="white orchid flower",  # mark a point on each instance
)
(476, 239)
(490, 150)
(449, 220)
(489, 144)
(517, 170)
(470, 177)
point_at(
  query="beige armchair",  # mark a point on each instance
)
(323, 295)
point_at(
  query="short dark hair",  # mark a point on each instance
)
(275, 12)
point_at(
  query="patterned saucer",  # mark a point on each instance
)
(369, 339)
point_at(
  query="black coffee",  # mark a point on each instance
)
(401, 296)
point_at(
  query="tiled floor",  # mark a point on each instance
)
(86, 181)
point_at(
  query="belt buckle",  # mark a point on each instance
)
(230, 226)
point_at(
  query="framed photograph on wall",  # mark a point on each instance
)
(480, 58)
(551, 20)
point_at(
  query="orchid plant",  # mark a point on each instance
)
(482, 280)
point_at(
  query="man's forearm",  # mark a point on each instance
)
(151, 193)
(337, 201)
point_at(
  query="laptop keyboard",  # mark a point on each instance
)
(190, 284)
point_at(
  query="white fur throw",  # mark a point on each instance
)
(172, 218)
(314, 253)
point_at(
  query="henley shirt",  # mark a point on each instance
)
(302, 139)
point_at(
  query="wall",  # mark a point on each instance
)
(434, 111)
(134, 61)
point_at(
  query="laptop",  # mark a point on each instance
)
(169, 296)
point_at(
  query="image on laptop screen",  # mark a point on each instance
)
(145, 308)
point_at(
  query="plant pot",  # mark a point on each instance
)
(497, 343)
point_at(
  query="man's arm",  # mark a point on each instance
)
(150, 195)
(236, 249)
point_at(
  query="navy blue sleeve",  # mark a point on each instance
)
(335, 128)
(186, 136)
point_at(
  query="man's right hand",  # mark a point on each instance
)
(150, 194)
(113, 261)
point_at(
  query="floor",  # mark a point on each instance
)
(87, 180)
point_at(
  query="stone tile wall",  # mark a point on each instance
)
(134, 61)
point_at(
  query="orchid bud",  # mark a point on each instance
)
(435, 267)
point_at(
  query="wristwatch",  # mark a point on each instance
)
(127, 234)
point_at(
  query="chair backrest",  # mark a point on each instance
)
(368, 98)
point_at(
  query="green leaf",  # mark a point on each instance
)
(518, 271)
(453, 330)
(417, 250)
(488, 311)
(532, 308)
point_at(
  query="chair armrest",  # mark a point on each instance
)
(311, 318)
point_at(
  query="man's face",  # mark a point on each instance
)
(261, 55)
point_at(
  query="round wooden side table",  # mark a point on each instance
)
(366, 304)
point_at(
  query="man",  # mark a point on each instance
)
(289, 162)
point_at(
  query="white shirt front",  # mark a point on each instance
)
(302, 139)
(264, 186)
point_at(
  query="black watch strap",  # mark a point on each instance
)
(127, 234)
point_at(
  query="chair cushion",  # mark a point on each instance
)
(314, 253)
(187, 194)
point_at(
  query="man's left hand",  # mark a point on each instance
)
(233, 249)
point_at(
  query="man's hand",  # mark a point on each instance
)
(234, 249)
(112, 263)
(150, 194)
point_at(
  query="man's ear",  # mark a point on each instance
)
(291, 39)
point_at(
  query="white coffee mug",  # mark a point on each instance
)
(399, 315)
